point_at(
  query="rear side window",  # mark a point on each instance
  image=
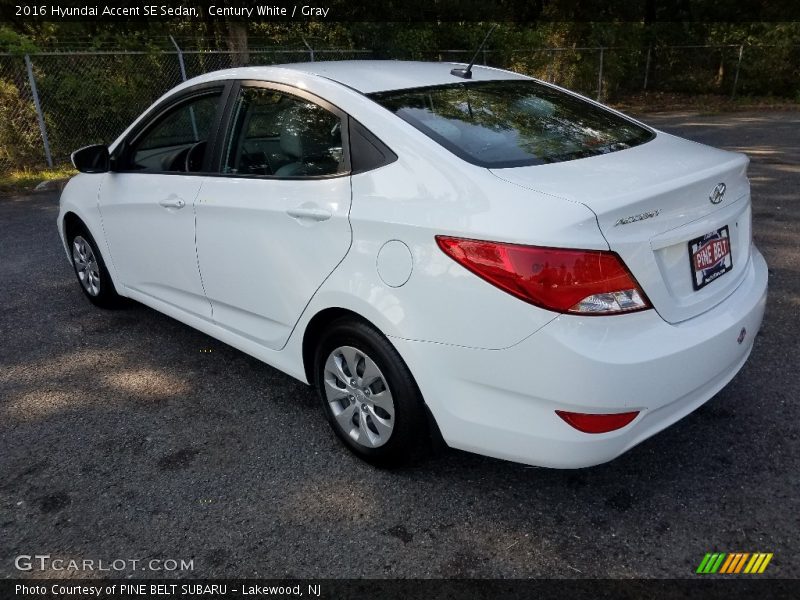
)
(278, 135)
(499, 124)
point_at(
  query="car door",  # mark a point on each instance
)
(147, 201)
(275, 224)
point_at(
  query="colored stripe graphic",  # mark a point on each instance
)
(734, 562)
(711, 562)
(753, 561)
(765, 563)
(741, 562)
(715, 567)
(758, 563)
(732, 558)
(703, 563)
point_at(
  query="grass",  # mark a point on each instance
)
(24, 180)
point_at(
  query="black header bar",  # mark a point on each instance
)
(522, 11)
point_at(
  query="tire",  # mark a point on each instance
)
(356, 350)
(90, 270)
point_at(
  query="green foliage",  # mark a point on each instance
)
(92, 98)
(15, 42)
(20, 143)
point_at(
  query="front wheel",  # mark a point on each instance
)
(369, 396)
(91, 270)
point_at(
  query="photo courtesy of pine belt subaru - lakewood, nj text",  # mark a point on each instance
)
(467, 255)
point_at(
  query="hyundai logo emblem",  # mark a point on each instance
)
(717, 193)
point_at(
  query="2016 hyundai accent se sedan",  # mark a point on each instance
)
(479, 256)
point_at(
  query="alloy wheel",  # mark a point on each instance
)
(359, 396)
(86, 265)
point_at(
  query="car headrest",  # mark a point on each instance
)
(304, 135)
(291, 142)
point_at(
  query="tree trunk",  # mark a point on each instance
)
(237, 44)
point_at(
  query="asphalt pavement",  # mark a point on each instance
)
(125, 435)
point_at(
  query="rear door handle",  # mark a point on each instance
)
(312, 214)
(172, 202)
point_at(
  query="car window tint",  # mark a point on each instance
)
(276, 134)
(512, 123)
(178, 140)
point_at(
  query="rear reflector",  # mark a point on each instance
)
(592, 423)
(591, 282)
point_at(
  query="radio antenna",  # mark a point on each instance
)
(467, 73)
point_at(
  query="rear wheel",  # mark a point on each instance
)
(369, 396)
(91, 270)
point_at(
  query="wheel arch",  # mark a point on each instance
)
(71, 223)
(317, 326)
(311, 335)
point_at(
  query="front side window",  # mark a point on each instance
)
(512, 123)
(178, 140)
(279, 135)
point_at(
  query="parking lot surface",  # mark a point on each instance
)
(127, 435)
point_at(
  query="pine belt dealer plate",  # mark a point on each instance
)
(710, 257)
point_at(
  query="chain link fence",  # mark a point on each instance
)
(609, 74)
(20, 137)
(90, 97)
(52, 103)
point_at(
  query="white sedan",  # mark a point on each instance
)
(478, 256)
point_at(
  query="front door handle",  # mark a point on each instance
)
(313, 214)
(172, 202)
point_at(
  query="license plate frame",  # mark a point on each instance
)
(710, 257)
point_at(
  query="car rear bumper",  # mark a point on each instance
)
(502, 403)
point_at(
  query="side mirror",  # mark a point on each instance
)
(92, 159)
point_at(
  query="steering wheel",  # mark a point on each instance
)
(176, 161)
(194, 157)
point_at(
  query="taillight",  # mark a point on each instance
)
(592, 282)
(594, 423)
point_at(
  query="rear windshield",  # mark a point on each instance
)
(515, 123)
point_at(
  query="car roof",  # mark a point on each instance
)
(368, 76)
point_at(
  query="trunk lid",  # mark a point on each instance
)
(653, 205)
